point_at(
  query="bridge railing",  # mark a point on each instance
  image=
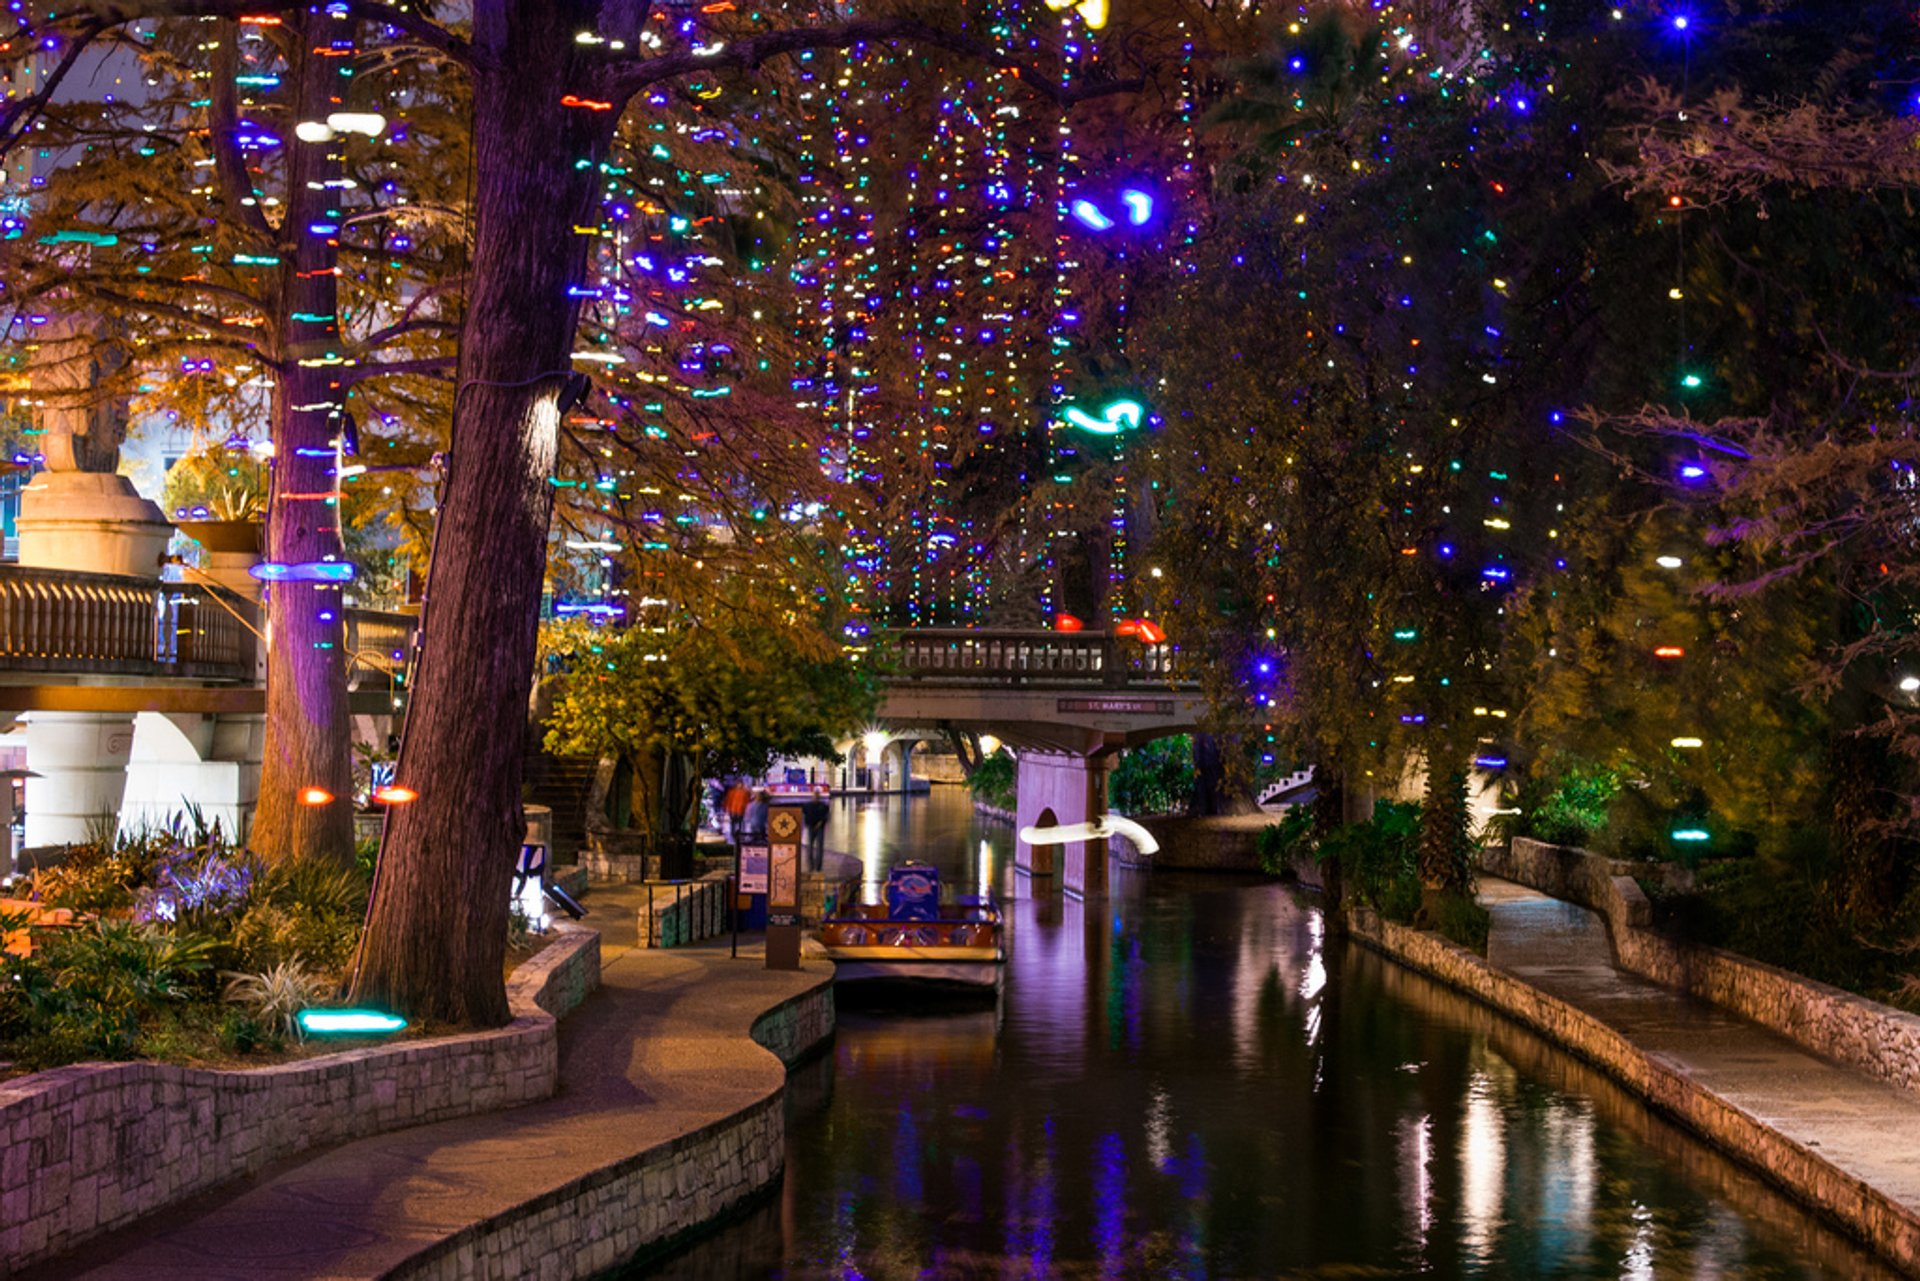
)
(1033, 657)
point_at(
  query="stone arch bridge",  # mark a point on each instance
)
(1065, 701)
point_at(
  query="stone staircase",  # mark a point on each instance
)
(1275, 793)
(562, 784)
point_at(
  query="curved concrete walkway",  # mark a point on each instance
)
(660, 1053)
(1866, 1129)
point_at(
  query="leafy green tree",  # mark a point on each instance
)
(694, 703)
(1154, 778)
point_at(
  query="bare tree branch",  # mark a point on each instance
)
(17, 117)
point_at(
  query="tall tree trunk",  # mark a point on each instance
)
(309, 730)
(435, 940)
(1446, 841)
(1209, 778)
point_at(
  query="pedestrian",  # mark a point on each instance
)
(814, 813)
(736, 806)
(756, 816)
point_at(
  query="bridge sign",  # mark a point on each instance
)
(1122, 706)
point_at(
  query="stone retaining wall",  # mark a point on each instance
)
(1826, 1020)
(600, 1221)
(1222, 843)
(1857, 1206)
(92, 1147)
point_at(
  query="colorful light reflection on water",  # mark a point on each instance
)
(1188, 1080)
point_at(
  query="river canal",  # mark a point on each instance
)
(1188, 1080)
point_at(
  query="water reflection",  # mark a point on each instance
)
(1189, 1079)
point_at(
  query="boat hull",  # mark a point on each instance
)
(974, 976)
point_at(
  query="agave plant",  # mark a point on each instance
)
(276, 996)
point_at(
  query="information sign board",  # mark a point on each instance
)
(753, 869)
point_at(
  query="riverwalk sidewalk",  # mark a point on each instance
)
(1866, 1128)
(660, 1053)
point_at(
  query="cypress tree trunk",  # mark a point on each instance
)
(436, 931)
(309, 732)
(1446, 844)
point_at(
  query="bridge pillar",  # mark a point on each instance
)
(1060, 789)
(81, 758)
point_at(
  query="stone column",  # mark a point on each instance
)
(81, 758)
(1060, 789)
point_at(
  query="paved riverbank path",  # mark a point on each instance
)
(1865, 1127)
(660, 1053)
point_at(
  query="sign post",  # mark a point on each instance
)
(783, 887)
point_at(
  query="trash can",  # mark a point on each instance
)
(676, 856)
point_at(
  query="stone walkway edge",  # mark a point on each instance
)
(1872, 1215)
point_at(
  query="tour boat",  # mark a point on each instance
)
(915, 937)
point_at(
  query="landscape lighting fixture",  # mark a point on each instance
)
(348, 1022)
(315, 796)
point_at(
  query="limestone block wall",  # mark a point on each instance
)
(1868, 1212)
(92, 1147)
(600, 1221)
(1850, 1029)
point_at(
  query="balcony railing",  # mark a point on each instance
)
(102, 624)
(378, 641)
(65, 621)
(1093, 659)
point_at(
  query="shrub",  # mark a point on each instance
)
(193, 885)
(992, 782)
(1278, 844)
(1155, 778)
(1458, 917)
(174, 905)
(86, 993)
(275, 997)
(1569, 809)
(1379, 859)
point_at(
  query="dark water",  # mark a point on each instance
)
(1186, 1080)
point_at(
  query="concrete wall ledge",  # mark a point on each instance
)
(92, 1147)
(646, 1203)
(1866, 1212)
(1835, 1024)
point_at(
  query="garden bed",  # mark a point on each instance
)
(94, 1146)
